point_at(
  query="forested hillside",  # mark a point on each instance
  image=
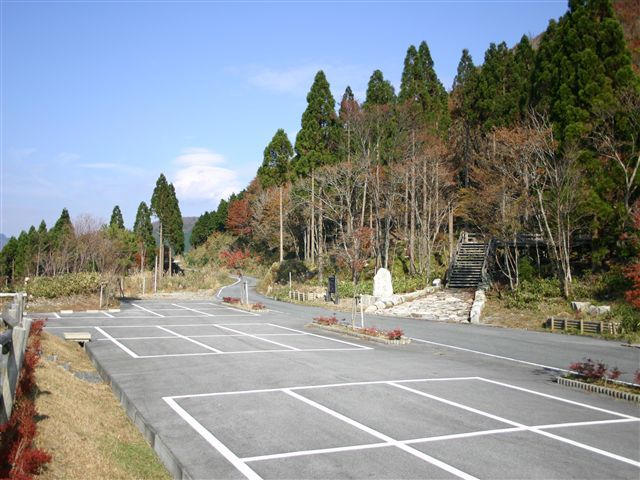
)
(538, 138)
(529, 140)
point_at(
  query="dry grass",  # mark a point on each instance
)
(74, 302)
(82, 425)
(495, 313)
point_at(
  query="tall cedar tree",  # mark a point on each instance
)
(379, 91)
(317, 142)
(274, 171)
(463, 115)
(62, 229)
(143, 230)
(175, 230)
(161, 208)
(116, 218)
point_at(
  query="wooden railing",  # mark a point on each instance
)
(14, 343)
(582, 326)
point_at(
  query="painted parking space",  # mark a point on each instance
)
(311, 430)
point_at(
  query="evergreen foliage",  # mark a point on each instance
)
(318, 140)
(116, 218)
(143, 230)
(379, 90)
(274, 170)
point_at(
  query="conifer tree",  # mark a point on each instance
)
(317, 141)
(274, 171)
(379, 90)
(62, 229)
(116, 219)
(143, 230)
(161, 208)
(175, 230)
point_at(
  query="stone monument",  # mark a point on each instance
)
(382, 286)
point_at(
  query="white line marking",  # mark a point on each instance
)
(212, 336)
(438, 438)
(203, 345)
(147, 310)
(213, 441)
(56, 315)
(194, 310)
(107, 314)
(168, 325)
(316, 452)
(517, 424)
(327, 385)
(226, 286)
(412, 451)
(322, 336)
(243, 311)
(258, 338)
(501, 357)
(125, 349)
(560, 399)
(255, 351)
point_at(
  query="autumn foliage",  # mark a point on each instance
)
(234, 259)
(19, 458)
(633, 272)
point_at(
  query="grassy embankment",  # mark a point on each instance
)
(82, 424)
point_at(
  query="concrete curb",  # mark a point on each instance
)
(590, 387)
(384, 303)
(168, 459)
(403, 341)
(478, 305)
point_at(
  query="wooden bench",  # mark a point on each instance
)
(80, 337)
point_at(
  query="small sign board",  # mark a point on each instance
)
(332, 289)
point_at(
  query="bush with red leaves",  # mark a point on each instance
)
(593, 372)
(19, 459)
(395, 334)
(326, 320)
(232, 300)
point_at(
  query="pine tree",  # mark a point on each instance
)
(274, 171)
(62, 229)
(143, 230)
(116, 218)
(175, 231)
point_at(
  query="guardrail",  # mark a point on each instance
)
(14, 344)
(583, 326)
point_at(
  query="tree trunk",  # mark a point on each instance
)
(312, 231)
(281, 229)
(161, 252)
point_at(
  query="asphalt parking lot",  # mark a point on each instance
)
(225, 393)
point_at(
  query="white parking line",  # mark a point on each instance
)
(213, 441)
(501, 357)
(239, 352)
(194, 310)
(412, 451)
(203, 345)
(147, 310)
(525, 427)
(107, 314)
(258, 338)
(116, 342)
(322, 336)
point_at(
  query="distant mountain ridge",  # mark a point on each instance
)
(3, 240)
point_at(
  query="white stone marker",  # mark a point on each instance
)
(382, 286)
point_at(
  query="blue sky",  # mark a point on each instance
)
(99, 98)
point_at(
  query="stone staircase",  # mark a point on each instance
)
(468, 263)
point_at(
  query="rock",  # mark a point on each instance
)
(382, 285)
(580, 306)
(478, 305)
(601, 310)
(437, 283)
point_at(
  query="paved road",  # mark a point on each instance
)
(223, 393)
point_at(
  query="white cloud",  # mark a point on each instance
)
(199, 156)
(297, 80)
(202, 178)
(66, 157)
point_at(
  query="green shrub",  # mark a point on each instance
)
(526, 270)
(628, 317)
(297, 268)
(64, 285)
(530, 293)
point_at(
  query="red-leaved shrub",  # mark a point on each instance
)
(232, 300)
(19, 459)
(592, 371)
(326, 320)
